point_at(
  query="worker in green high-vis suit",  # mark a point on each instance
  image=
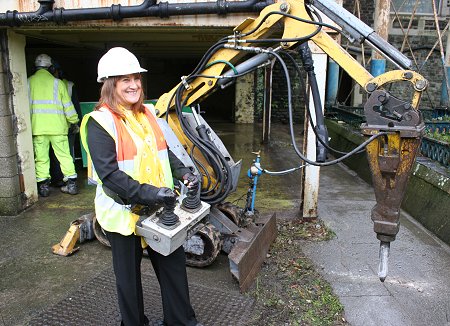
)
(52, 114)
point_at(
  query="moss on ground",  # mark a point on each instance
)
(289, 290)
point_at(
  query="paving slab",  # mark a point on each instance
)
(417, 288)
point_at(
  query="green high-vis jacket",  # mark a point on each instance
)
(52, 111)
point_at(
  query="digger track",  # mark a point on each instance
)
(213, 244)
(233, 212)
(100, 234)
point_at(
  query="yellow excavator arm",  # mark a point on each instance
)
(297, 24)
(394, 126)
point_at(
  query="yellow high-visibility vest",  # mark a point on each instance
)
(112, 216)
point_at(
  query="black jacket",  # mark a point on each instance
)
(104, 157)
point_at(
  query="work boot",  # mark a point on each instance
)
(44, 188)
(70, 187)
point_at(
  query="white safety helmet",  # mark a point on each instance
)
(117, 62)
(43, 61)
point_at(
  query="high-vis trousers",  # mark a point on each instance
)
(60, 145)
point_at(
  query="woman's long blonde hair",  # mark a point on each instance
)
(108, 98)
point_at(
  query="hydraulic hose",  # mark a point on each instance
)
(322, 133)
(289, 95)
(305, 95)
(208, 149)
(291, 125)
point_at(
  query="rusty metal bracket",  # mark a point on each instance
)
(388, 113)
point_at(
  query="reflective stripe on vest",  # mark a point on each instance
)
(112, 216)
(51, 108)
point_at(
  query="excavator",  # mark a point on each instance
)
(202, 220)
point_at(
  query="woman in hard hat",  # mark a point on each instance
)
(133, 165)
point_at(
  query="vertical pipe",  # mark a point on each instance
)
(446, 81)
(381, 26)
(268, 73)
(332, 83)
(377, 66)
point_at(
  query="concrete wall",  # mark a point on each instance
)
(9, 174)
(16, 46)
(427, 197)
(16, 192)
(245, 99)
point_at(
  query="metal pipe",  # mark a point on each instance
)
(44, 6)
(242, 68)
(332, 82)
(46, 13)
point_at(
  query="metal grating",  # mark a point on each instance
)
(95, 303)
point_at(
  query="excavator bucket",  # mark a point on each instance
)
(249, 252)
(246, 242)
(66, 246)
(80, 230)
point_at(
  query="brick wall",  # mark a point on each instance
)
(280, 107)
(432, 69)
(365, 12)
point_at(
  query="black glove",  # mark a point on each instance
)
(190, 180)
(165, 196)
(74, 129)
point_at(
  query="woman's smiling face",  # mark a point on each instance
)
(128, 89)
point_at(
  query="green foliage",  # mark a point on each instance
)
(443, 136)
(444, 118)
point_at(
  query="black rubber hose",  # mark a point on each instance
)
(291, 127)
(305, 96)
(218, 162)
(322, 133)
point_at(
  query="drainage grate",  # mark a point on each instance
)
(95, 303)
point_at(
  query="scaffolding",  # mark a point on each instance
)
(420, 29)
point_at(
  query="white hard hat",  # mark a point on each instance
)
(43, 60)
(117, 62)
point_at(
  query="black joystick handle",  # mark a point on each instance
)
(192, 199)
(168, 217)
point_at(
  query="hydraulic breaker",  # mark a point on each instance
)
(391, 157)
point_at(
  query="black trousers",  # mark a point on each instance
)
(171, 273)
